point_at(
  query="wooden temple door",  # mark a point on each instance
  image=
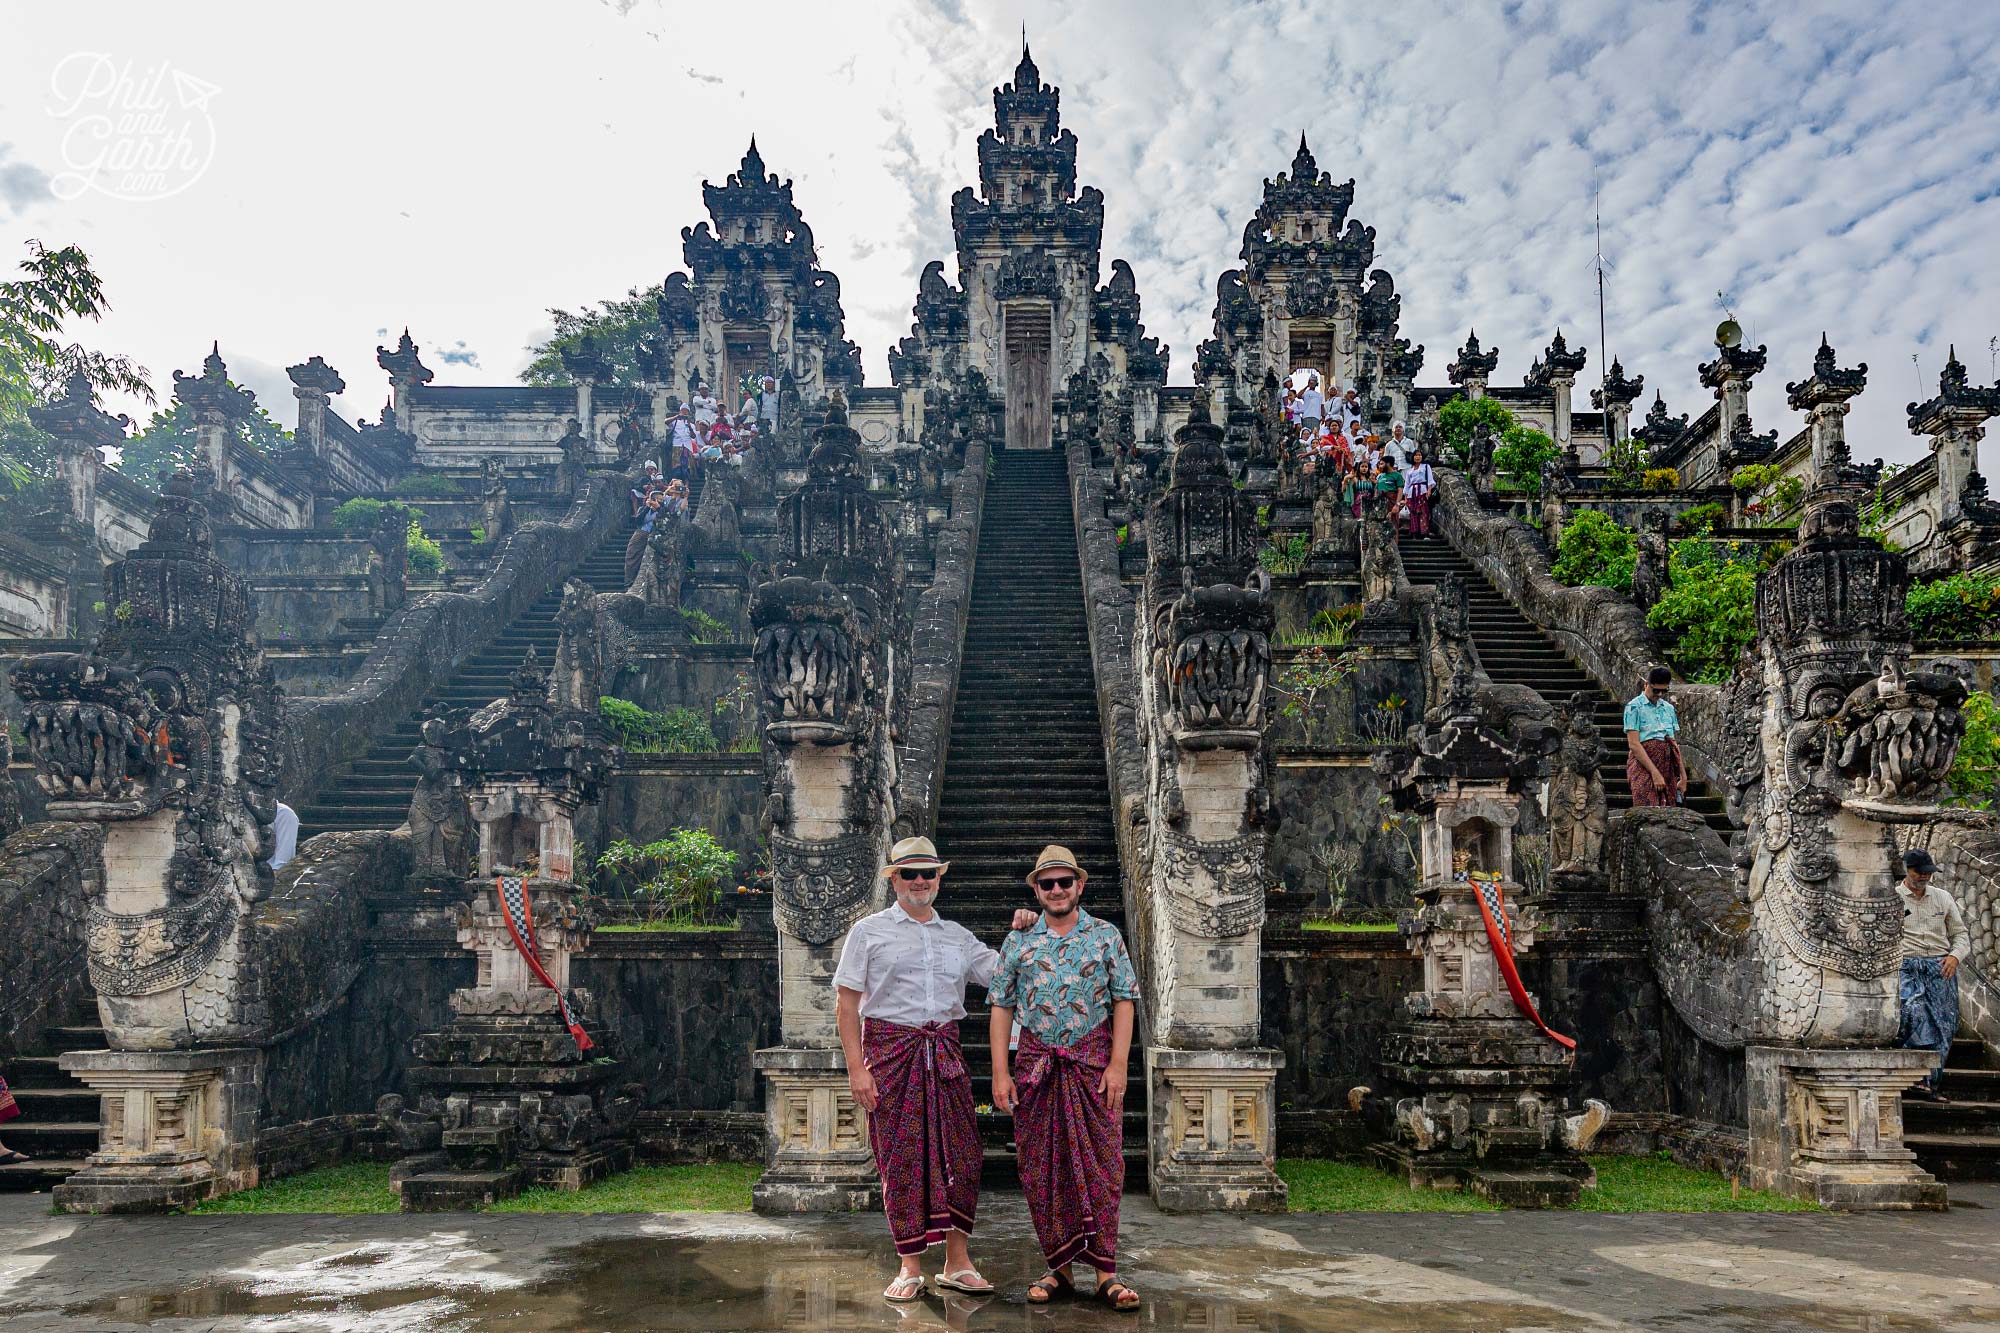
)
(1027, 376)
(1312, 349)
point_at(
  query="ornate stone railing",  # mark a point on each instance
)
(48, 873)
(420, 644)
(1969, 859)
(1601, 629)
(937, 650)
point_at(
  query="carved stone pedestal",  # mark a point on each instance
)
(177, 1127)
(1213, 1130)
(1827, 1125)
(818, 1156)
(1480, 1109)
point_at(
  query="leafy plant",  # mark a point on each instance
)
(1976, 771)
(705, 628)
(1305, 686)
(1701, 518)
(1122, 532)
(1286, 557)
(428, 483)
(1457, 418)
(425, 555)
(1660, 479)
(1710, 604)
(642, 731)
(1521, 457)
(361, 514)
(1383, 723)
(678, 879)
(1754, 477)
(1963, 606)
(1595, 551)
(170, 440)
(617, 330)
(478, 533)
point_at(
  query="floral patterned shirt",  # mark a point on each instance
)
(1061, 987)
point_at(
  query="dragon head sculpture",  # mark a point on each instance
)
(815, 661)
(1213, 657)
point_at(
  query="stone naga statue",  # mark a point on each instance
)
(1831, 746)
(165, 733)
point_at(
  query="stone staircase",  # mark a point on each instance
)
(1515, 651)
(373, 792)
(1025, 765)
(59, 1116)
(1959, 1139)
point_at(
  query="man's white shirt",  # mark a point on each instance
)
(912, 972)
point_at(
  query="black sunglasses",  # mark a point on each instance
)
(1056, 882)
(910, 876)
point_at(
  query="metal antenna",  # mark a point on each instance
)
(1993, 358)
(1600, 263)
(1918, 371)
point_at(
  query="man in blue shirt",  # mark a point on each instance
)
(1653, 763)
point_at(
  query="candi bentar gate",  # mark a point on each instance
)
(1026, 593)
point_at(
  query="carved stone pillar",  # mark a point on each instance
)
(1614, 398)
(163, 735)
(825, 632)
(1558, 368)
(1474, 1083)
(82, 431)
(1473, 367)
(407, 374)
(1953, 420)
(1823, 396)
(313, 383)
(1204, 658)
(1827, 1125)
(588, 367)
(217, 407)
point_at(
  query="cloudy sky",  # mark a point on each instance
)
(298, 181)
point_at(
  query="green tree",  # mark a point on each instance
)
(1710, 605)
(1521, 456)
(37, 362)
(170, 440)
(1457, 418)
(1595, 551)
(615, 328)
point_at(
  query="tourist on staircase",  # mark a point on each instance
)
(1417, 484)
(1312, 405)
(1653, 763)
(1934, 941)
(1071, 982)
(899, 995)
(8, 1111)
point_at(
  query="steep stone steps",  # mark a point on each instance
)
(1515, 651)
(374, 791)
(58, 1125)
(1025, 763)
(1959, 1139)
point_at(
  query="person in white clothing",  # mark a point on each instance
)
(899, 993)
(285, 835)
(705, 408)
(1312, 405)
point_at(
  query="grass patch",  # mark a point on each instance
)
(1654, 1184)
(363, 1187)
(1321, 1185)
(664, 928)
(350, 1187)
(721, 1188)
(1659, 1184)
(1351, 927)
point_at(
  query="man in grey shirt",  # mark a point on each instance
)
(899, 995)
(1935, 943)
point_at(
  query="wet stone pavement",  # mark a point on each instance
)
(719, 1271)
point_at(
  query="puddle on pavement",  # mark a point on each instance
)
(628, 1284)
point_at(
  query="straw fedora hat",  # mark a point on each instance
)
(914, 854)
(1057, 856)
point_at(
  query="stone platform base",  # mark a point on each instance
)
(1557, 1183)
(459, 1191)
(816, 1136)
(814, 1196)
(573, 1171)
(177, 1127)
(1213, 1130)
(137, 1187)
(1827, 1125)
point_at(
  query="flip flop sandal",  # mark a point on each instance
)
(1113, 1294)
(957, 1282)
(11, 1157)
(1050, 1285)
(906, 1288)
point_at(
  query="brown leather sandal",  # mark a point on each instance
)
(1117, 1295)
(1049, 1286)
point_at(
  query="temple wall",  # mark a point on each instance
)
(687, 1011)
(651, 795)
(1327, 802)
(34, 594)
(689, 676)
(47, 874)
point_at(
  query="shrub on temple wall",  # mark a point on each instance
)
(360, 515)
(678, 879)
(1976, 771)
(676, 731)
(1594, 551)
(1521, 457)
(426, 556)
(1660, 479)
(1710, 606)
(1963, 606)
(1457, 418)
(1702, 518)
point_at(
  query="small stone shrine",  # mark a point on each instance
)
(510, 1093)
(1474, 1081)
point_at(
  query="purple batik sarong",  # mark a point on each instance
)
(923, 1131)
(1071, 1148)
